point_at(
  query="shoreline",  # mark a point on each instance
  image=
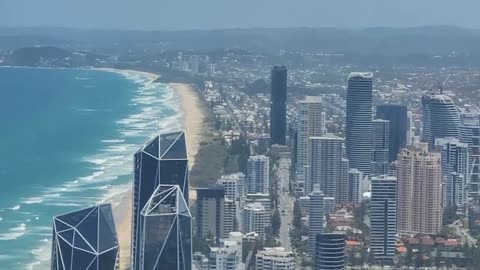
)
(192, 118)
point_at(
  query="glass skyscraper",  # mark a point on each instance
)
(278, 105)
(397, 135)
(330, 251)
(165, 233)
(85, 240)
(162, 161)
(440, 118)
(359, 121)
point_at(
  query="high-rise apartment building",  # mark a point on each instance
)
(310, 123)
(330, 252)
(343, 184)
(398, 123)
(440, 118)
(454, 171)
(162, 161)
(315, 217)
(234, 185)
(419, 181)
(358, 124)
(257, 174)
(380, 144)
(278, 105)
(276, 258)
(383, 218)
(230, 217)
(228, 254)
(85, 239)
(255, 219)
(355, 191)
(470, 134)
(210, 216)
(325, 164)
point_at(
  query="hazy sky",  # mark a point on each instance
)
(214, 14)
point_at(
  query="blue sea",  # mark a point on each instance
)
(67, 138)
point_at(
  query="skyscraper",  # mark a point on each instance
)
(343, 184)
(325, 164)
(440, 118)
(161, 161)
(358, 125)
(311, 122)
(278, 105)
(85, 239)
(419, 180)
(257, 174)
(234, 185)
(228, 254)
(380, 144)
(165, 231)
(398, 123)
(383, 218)
(230, 216)
(210, 212)
(315, 217)
(355, 191)
(330, 251)
(470, 134)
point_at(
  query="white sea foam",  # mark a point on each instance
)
(33, 200)
(15, 208)
(113, 141)
(14, 233)
(86, 110)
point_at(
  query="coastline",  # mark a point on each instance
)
(193, 116)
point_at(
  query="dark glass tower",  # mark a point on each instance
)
(165, 235)
(397, 117)
(358, 124)
(440, 118)
(162, 161)
(278, 106)
(210, 211)
(330, 252)
(85, 239)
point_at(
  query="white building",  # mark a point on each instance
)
(230, 216)
(315, 217)
(311, 122)
(262, 198)
(325, 164)
(275, 259)
(257, 174)
(233, 184)
(255, 219)
(343, 185)
(355, 192)
(228, 256)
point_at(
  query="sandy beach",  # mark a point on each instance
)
(193, 117)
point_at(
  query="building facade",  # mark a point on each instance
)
(330, 252)
(440, 118)
(310, 123)
(470, 134)
(257, 174)
(454, 171)
(278, 106)
(419, 180)
(355, 191)
(343, 185)
(315, 217)
(398, 123)
(165, 238)
(276, 258)
(230, 217)
(325, 164)
(210, 218)
(358, 124)
(255, 219)
(383, 218)
(85, 239)
(164, 161)
(380, 144)
(234, 185)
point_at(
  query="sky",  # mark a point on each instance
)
(221, 14)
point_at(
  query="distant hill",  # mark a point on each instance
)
(32, 56)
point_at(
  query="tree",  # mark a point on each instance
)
(276, 222)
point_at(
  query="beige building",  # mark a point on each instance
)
(419, 177)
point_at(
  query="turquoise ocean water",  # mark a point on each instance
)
(67, 138)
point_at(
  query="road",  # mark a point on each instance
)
(463, 233)
(285, 201)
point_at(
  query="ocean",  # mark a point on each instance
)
(67, 138)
